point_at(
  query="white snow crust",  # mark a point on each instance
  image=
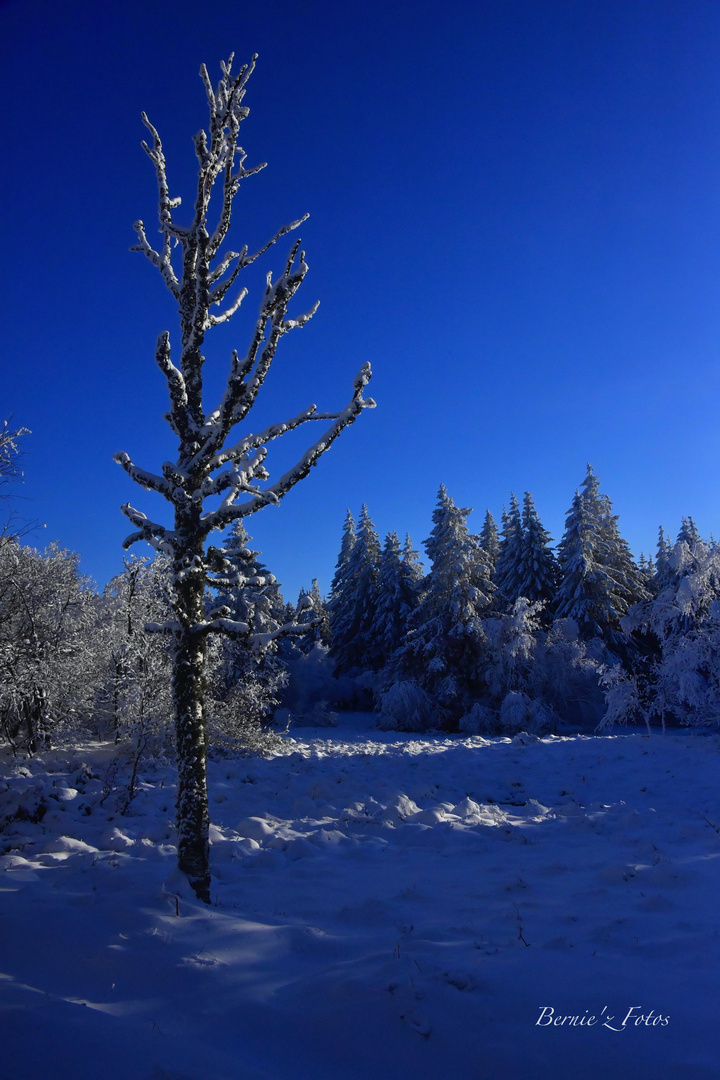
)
(385, 905)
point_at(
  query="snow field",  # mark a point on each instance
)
(384, 905)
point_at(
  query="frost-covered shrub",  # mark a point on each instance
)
(566, 674)
(47, 649)
(518, 712)
(622, 698)
(679, 679)
(318, 716)
(405, 707)
(513, 642)
(311, 680)
(480, 720)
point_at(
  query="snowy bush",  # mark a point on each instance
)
(519, 713)
(405, 707)
(566, 674)
(311, 680)
(47, 654)
(679, 679)
(480, 720)
(318, 716)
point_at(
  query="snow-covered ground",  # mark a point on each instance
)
(384, 906)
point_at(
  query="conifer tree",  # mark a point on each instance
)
(509, 568)
(663, 572)
(539, 569)
(489, 539)
(213, 459)
(311, 608)
(340, 579)
(397, 597)
(352, 647)
(599, 579)
(442, 649)
(689, 532)
(412, 567)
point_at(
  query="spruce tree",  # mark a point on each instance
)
(489, 539)
(249, 594)
(689, 532)
(508, 569)
(311, 608)
(352, 647)
(539, 568)
(412, 567)
(442, 649)
(397, 596)
(663, 570)
(339, 607)
(599, 578)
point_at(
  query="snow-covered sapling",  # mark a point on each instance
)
(210, 464)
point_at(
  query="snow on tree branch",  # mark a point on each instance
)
(201, 278)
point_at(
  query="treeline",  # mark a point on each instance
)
(504, 632)
(76, 663)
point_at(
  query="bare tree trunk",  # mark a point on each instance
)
(188, 681)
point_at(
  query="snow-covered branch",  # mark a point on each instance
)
(228, 513)
(160, 538)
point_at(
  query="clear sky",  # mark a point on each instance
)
(515, 216)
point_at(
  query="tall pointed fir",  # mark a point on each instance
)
(442, 649)
(352, 647)
(538, 565)
(508, 569)
(689, 532)
(251, 595)
(396, 600)
(213, 462)
(489, 539)
(599, 579)
(347, 543)
(412, 567)
(312, 609)
(663, 570)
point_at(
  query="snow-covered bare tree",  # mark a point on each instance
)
(214, 463)
(46, 616)
(9, 451)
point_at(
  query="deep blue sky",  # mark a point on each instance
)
(515, 216)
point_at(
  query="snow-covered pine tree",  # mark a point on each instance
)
(353, 648)
(412, 566)
(338, 606)
(631, 584)
(442, 649)
(689, 532)
(251, 595)
(646, 569)
(209, 463)
(539, 568)
(311, 608)
(663, 572)
(509, 569)
(397, 597)
(679, 678)
(599, 579)
(489, 539)
(247, 674)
